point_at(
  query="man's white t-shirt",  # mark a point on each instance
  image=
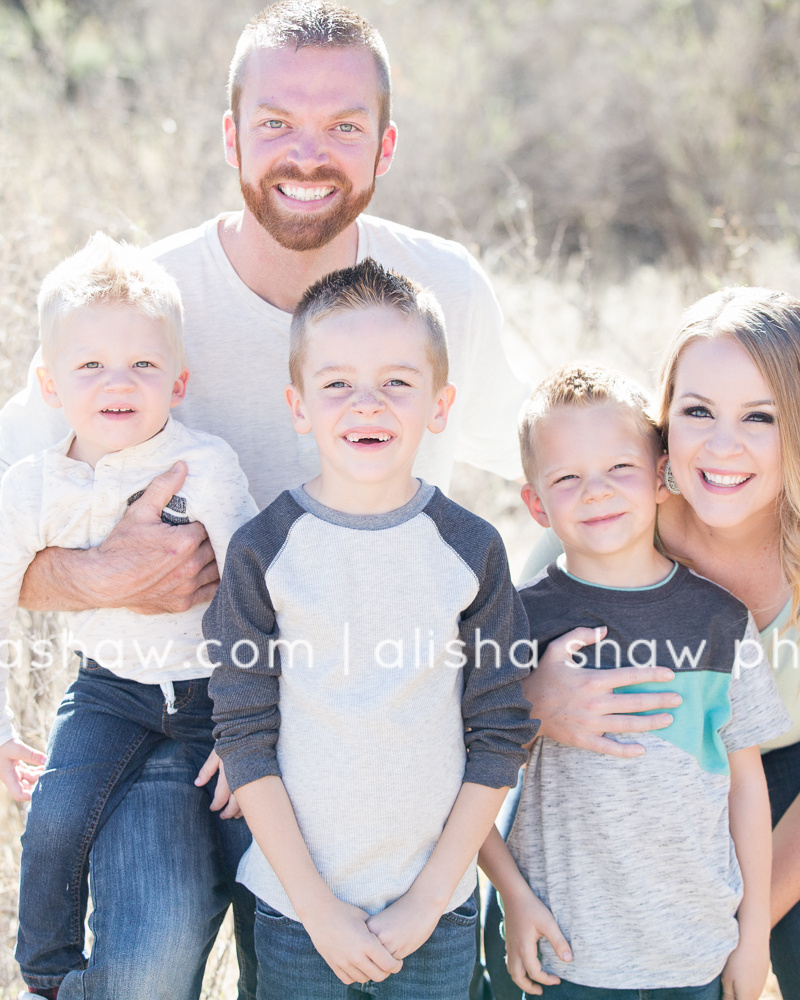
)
(237, 348)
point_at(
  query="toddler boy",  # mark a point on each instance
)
(111, 329)
(633, 856)
(367, 710)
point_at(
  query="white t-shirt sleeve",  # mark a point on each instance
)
(20, 540)
(757, 711)
(225, 503)
(491, 394)
(27, 424)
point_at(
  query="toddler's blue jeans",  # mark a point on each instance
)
(104, 731)
(290, 967)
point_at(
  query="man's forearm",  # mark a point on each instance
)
(62, 580)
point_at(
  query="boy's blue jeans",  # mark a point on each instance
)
(105, 729)
(572, 991)
(291, 968)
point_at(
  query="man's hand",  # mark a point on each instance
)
(223, 796)
(20, 767)
(340, 934)
(144, 565)
(405, 925)
(526, 920)
(577, 705)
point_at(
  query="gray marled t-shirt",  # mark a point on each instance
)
(634, 856)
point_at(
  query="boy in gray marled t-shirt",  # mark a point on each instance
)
(656, 867)
(367, 710)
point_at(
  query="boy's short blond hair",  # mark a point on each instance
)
(363, 287)
(583, 385)
(105, 271)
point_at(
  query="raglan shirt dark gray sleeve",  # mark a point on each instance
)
(241, 623)
(497, 716)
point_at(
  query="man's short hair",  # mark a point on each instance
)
(580, 386)
(299, 23)
(105, 271)
(364, 286)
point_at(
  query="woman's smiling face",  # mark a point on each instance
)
(724, 441)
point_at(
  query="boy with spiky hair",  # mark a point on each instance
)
(369, 745)
(655, 867)
(112, 351)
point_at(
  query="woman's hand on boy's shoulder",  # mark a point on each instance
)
(578, 705)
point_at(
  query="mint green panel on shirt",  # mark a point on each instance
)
(697, 722)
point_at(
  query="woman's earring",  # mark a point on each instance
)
(669, 480)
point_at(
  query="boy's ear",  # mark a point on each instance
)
(661, 489)
(47, 387)
(531, 500)
(300, 421)
(441, 407)
(179, 387)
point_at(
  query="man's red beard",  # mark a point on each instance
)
(301, 230)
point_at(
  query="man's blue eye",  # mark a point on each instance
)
(347, 127)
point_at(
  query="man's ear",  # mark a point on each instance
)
(441, 407)
(661, 490)
(229, 139)
(386, 152)
(179, 387)
(533, 502)
(47, 387)
(297, 409)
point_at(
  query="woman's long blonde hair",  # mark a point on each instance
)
(767, 325)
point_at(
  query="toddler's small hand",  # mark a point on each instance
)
(20, 767)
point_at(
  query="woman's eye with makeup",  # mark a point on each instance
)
(696, 411)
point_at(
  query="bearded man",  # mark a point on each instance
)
(309, 130)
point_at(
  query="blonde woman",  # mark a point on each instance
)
(730, 410)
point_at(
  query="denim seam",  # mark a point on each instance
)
(91, 830)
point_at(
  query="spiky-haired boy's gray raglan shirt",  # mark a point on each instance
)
(634, 856)
(372, 705)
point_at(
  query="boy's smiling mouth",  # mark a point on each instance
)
(368, 437)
